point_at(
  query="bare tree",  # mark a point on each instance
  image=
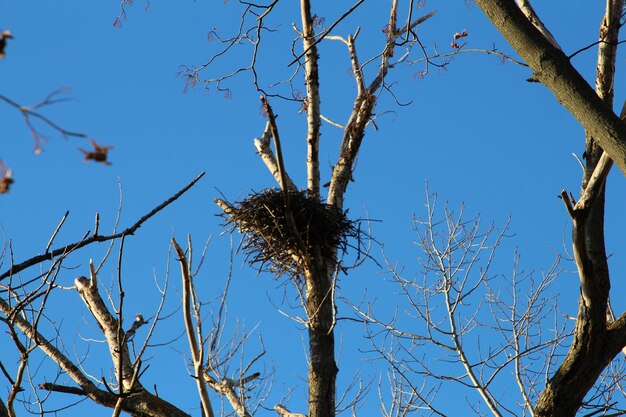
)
(301, 234)
(24, 308)
(461, 328)
(599, 336)
(307, 235)
(297, 232)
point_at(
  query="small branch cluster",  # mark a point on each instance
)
(33, 112)
(34, 118)
(450, 300)
(211, 357)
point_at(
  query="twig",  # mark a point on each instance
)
(56, 231)
(327, 31)
(31, 111)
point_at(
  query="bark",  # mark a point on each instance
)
(320, 310)
(551, 67)
(596, 341)
(3, 410)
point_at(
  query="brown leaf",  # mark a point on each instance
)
(3, 41)
(98, 154)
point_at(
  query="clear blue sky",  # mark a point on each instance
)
(477, 132)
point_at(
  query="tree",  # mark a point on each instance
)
(301, 236)
(309, 232)
(599, 336)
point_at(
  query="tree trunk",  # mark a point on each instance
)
(594, 345)
(596, 340)
(320, 310)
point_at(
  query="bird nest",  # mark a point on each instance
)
(270, 241)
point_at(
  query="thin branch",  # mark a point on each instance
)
(197, 357)
(49, 386)
(326, 32)
(16, 268)
(56, 231)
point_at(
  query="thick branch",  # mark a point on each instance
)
(311, 80)
(88, 290)
(226, 387)
(551, 67)
(594, 344)
(264, 150)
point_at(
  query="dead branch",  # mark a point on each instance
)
(32, 112)
(111, 329)
(282, 171)
(16, 268)
(532, 16)
(283, 412)
(227, 387)
(264, 150)
(48, 386)
(195, 346)
(363, 107)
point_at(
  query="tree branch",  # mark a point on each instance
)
(363, 108)
(551, 67)
(16, 268)
(264, 150)
(196, 351)
(532, 16)
(110, 326)
(311, 80)
(98, 395)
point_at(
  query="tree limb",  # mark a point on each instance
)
(264, 150)
(311, 80)
(196, 351)
(551, 67)
(363, 107)
(16, 268)
(109, 325)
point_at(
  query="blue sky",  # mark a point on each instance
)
(476, 132)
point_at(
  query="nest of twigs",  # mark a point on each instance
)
(269, 241)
